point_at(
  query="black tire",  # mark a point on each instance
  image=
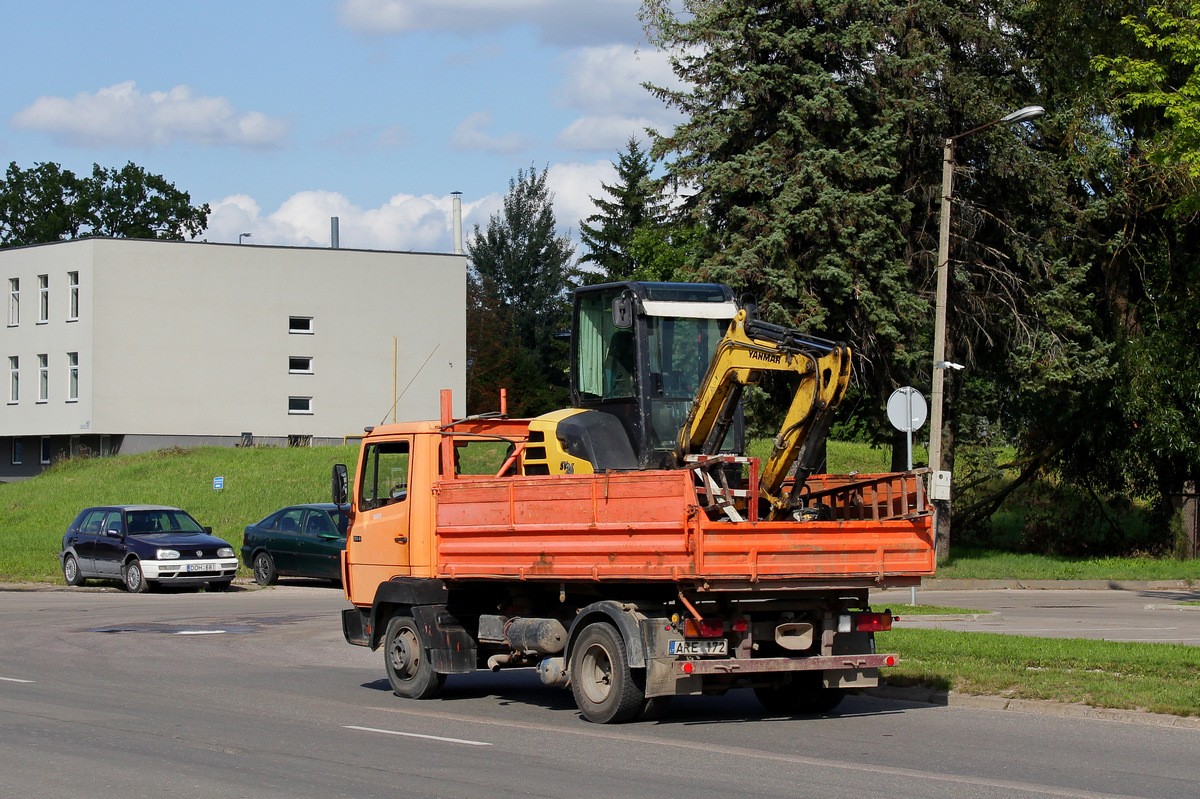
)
(264, 569)
(135, 581)
(219, 585)
(805, 695)
(601, 680)
(405, 651)
(71, 571)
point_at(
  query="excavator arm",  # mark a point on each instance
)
(750, 348)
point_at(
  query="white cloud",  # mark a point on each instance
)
(469, 135)
(603, 133)
(404, 223)
(557, 22)
(608, 80)
(122, 116)
(606, 84)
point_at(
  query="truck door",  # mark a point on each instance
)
(378, 546)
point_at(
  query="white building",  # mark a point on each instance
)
(119, 345)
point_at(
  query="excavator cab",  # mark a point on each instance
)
(639, 353)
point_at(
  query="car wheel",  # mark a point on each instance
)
(135, 581)
(219, 585)
(264, 569)
(408, 667)
(71, 571)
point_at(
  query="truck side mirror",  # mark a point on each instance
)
(341, 484)
(622, 312)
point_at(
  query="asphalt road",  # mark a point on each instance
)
(1157, 616)
(254, 694)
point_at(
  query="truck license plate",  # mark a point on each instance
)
(711, 646)
(202, 567)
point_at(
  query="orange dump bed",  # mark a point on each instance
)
(874, 530)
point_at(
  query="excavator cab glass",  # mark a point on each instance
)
(640, 352)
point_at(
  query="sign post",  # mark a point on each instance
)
(906, 410)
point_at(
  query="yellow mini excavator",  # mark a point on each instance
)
(657, 373)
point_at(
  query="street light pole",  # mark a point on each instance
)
(243, 236)
(940, 482)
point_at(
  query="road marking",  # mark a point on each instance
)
(416, 735)
(745, 754)
(199, 632)
(13, 679)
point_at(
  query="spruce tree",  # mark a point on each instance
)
(630, 204)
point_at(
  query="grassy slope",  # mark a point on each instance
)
(34, 513)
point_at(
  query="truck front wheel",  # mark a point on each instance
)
(405, 651)
(601, 680)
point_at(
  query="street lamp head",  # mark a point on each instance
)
(1024, 114)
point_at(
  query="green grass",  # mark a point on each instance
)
(35, 513)
(1160, 678)
(845, 457)
(977, 564)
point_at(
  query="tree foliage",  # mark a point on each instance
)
(631, 206)
(48, 203)
(520, 274)
(811, 144)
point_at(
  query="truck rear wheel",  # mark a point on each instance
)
(805, 693)
(408, 668)
(601, 680)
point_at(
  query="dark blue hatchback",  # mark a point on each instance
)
(143, 545)
(301, 540)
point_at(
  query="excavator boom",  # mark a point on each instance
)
(750, 348)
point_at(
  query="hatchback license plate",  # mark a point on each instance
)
(202, 567)
(712, 646)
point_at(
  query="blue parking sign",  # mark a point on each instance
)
(218, 483)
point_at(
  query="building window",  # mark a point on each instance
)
(73, 283)
(299, 405)
(43, 378)
(299, 441)
(301, 325)
(43, 299)
(72, 376)
(14, 301)
(14, 379)
(16, 451)
(300, 366)
(45, 450)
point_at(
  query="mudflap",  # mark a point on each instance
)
(354, 627)
(451, 648)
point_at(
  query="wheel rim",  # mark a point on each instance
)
(405, 654)
(71, 568)
(596, 676)
(133, 577)
(261, 572)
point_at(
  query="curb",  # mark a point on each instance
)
(943, 584)
(1044, 707)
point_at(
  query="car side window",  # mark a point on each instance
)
(114, 525)
(385, 475)
(289, 521)
(93, 524)
(318, 523)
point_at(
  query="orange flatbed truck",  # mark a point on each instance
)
(628, 587)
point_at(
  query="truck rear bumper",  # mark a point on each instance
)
(691, 668)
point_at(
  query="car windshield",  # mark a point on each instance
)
(148, 522)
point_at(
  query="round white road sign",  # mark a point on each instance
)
(906, 409)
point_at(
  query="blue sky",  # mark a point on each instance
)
(283, 114)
